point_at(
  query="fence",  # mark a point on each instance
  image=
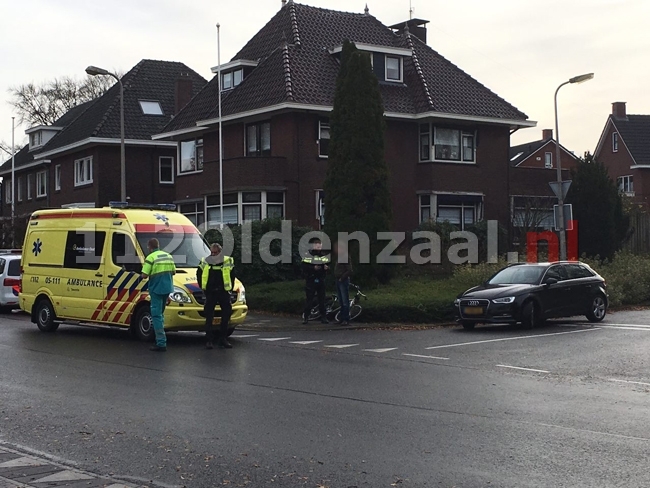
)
(638, 236)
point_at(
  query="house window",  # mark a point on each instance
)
(425, 208)
(83, 171)
(57, 177)
(245, 206)
(251, 206)
(231, 79)
(393, 68)
(531, 212)
(191, 156)
(446, 144)
(320, 207)
(35, 139)
(626, 184)
(230, 209)
(258, 139)
(275, 205)
(226, 81)
(7, 189)
(150, 107)
(323, 138)
(193, 211)
(615, 142)
(548, 160)
(19, 188)
(41, 184)
(459, 210)
(237, 77)
(166, 169)
(30, 181)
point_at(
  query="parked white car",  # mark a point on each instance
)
(9, 277)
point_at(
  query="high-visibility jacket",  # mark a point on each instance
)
(160, 267)
(312, 274)
(225, 268)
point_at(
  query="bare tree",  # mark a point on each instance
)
(44, 103)
(6, 148)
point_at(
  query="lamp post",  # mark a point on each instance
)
(558, 166)
(13, 183)
(95, 71)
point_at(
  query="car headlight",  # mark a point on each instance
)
(180, 296)
(457, 301)
(504, 300)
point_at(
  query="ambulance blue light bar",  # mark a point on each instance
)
(147, 206)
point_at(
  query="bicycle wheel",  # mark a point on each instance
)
(314, 314)
(355, 310)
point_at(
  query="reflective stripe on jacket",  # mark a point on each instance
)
(225, 268)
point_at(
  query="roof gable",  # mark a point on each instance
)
(635, 133)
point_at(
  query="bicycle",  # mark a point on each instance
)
(355, 308)
(332, 306)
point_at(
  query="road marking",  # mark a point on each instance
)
(342, 346)
(632, 382)
(386, 349)
(21, 462)
(243, 336)
(510, 338)
(624, 327)
(304, 343)
(64, 476)
(421, 356)
(523, 369)
(273, 339)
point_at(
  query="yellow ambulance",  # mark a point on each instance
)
(83, 266)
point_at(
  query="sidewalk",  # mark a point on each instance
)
(265, 322)
(21, 470)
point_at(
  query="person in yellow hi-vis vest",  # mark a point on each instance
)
(216, 278)
(159, 267)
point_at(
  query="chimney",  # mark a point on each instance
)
(547, 134)
(183, 92)
(417, 27)
(618, 110)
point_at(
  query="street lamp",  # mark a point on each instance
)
(95, 71)
(558, 166)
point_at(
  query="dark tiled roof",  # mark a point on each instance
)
(635, 132)
(295, 65)
(147, 80)
(522, 151)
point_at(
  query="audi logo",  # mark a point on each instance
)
(473, 303)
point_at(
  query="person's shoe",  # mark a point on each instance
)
(324, 321)
(208, 345)
(304, 319)
(345, 322)
(158, 348)
(223, 343)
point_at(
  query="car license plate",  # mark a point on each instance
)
(473, 310)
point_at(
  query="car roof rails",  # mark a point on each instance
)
(145, 206)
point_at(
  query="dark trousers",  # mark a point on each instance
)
(315, 291)
(212, 298)
(343, 292)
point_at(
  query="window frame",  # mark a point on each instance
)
(400, 68)
(144, 112)
(85, 163)
(422, 206)
(30, 189)
(614, 141)
(323, 126)
(427, 132)
(258, 152)
(171, 170)
(197, 213)
(43, 176)
(625, 184)
(434, 207)
(8, 192)
(19, 188)
(57, 177)
(548, 160)
(198, 155)
(241, 205)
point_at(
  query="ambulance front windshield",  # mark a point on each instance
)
(186, 248)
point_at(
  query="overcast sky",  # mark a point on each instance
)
(520, 49)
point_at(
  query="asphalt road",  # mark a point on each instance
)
(563, 405)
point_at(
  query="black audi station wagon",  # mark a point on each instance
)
(530, 293)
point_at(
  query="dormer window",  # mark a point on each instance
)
(35, 139)
(393, 68)
(231, 79)
(150, 107)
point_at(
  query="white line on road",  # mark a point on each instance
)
(523, 369)
(386, 349)
(421, 356)
(510, 338)
(632, 382)
(622, 327)
(242, 336)
(273, 339)
(342, 346)
(304, 343)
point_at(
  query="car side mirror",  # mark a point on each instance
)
(550, 281)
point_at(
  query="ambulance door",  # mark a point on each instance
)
(123, 283)
(82, 275)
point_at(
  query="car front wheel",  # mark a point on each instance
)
(530, 315)
(597, 309)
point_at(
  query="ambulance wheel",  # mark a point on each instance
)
(44, 314)
(142, 325)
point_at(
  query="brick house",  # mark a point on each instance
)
(77, 160)
(446, 144)
(624, 148)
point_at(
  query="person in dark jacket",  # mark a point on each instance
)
(216, 278)
(314, 268)
(342, 273)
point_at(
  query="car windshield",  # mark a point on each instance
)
(186, 248)
(527, 275)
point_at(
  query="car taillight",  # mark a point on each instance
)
(12, 282)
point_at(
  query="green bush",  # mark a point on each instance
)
(627, 276)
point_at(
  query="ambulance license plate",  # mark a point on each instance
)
(473, 310)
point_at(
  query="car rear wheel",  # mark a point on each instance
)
(142, 325)
(531, 315)
(45, 317)
(597, 309)
(468, 325)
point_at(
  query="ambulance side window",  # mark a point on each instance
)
(124, 253)
(83, 250)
